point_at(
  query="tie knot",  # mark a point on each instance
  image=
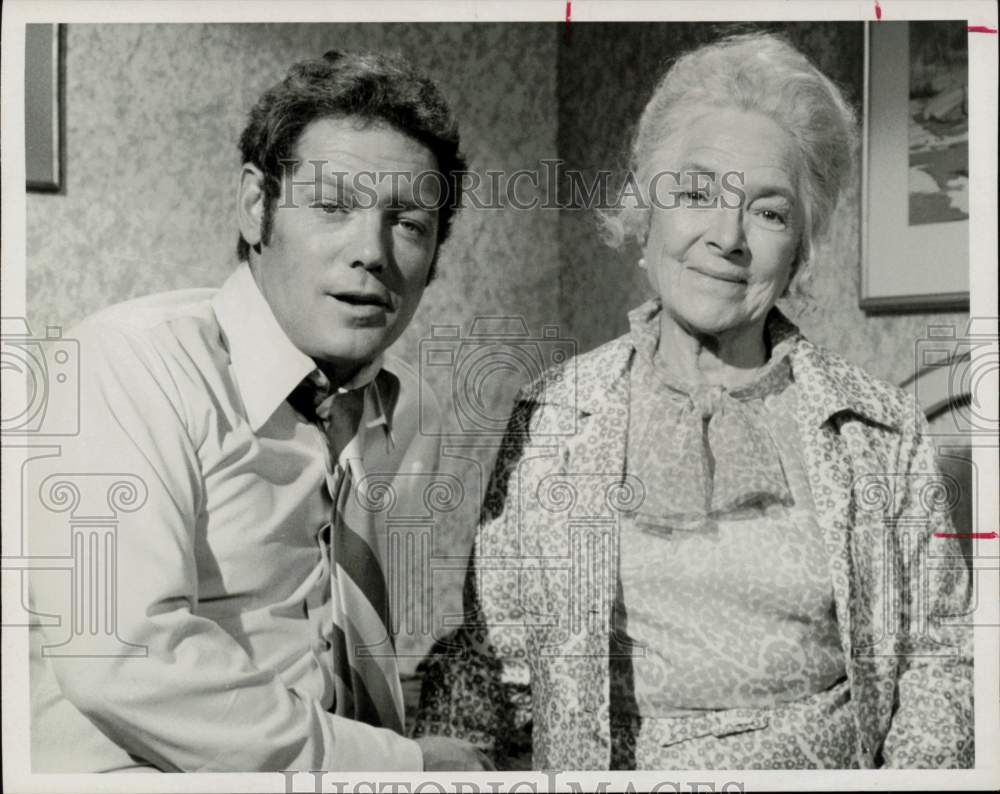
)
(338, 412)
(311, 392)
(342, 406)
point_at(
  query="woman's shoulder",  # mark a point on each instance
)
(581, 374)
(832, 382)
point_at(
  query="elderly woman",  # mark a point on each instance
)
(709, 543)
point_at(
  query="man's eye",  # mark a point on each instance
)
(332, 207)
(412, 227)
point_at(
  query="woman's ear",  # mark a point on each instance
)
(250, 204)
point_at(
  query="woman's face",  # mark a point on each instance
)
(721, 248)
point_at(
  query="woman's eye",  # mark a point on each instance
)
(774, 218)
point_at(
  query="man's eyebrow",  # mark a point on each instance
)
(339, 185)
(338, 179)
(407, 203)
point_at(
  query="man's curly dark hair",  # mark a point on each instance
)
(373, 87)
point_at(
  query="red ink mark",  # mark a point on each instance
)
(980, 29)
(970, 535)
(878, 11)
(569, 13)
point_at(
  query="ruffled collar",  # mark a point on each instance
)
(701, 451)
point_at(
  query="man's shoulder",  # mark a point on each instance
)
(150, 314)
(162, 325)
(170, 339)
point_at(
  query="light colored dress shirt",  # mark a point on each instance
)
(222, 615)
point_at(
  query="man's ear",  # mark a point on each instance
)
(250, 204)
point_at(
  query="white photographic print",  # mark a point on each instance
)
(448, 396)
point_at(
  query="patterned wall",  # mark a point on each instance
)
(151, 120)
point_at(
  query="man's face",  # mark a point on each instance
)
(349, 254)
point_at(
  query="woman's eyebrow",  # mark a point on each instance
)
(694, 166)
(772, 189)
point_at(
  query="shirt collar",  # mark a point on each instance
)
(266, 363)
(381, 399)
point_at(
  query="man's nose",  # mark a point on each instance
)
(369, 245)
(725, 235)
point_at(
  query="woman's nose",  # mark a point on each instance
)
(725, 233)
(369, 245)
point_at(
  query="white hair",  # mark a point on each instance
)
(759, 73)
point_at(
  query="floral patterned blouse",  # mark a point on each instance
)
(533, 649)
(745, 617)
(735, 651)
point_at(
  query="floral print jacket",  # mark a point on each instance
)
(542, 576)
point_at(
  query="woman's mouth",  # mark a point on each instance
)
(720, 274)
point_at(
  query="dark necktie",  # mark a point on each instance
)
(366, 676)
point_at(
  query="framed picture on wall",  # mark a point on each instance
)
(915, 167)
(41, 107)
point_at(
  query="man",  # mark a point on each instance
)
(250, 615)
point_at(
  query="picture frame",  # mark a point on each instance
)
(42, 108)
(914, 207)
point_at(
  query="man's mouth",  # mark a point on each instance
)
(373, 299)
